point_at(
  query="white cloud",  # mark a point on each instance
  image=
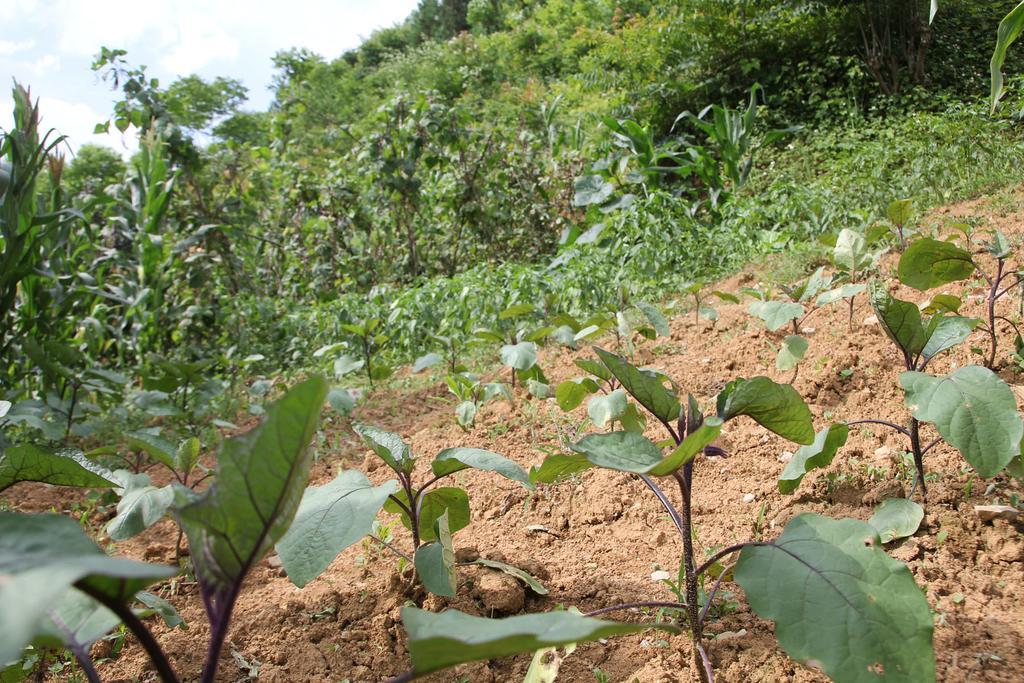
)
(44, 65)
(10, 47)
(199, 43)
(77, 121)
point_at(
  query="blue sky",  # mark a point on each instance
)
(49, 45)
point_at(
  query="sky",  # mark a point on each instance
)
(49, 45)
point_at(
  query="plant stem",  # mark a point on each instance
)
(884, 423)
(135, 625)
(915, 447)
(665, 502)
(393, 549)
(685, 480)
(993, 294)
(636, 605)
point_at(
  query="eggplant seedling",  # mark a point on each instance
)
(371, 340)
(973, 410)
(339, 514)
(930, 263)
(51, 569)
(473, 395)
(836, 598)
(700, 307)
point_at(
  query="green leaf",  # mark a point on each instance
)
(521, 356)
(900, 211)
(776, 407)
(839, 601)
(896, 518)
(708, 313)
(426, 361)
(435, 562)
(438, 641)
(973, 410)
(648, 390)
(187, 454)
(929, 263)
(538, 389)
(901, 320)
(726, 296)
(950, 331)
(434, 504)
(622, 451)
(775, 314)
(570, 393)
(594, 368)
(260, 479)
(455, 459)
(1009, 30)
(330, 518)
(344, 365)
(389, 446)
(41, 557)
(156, 447)
(792, 351)
(591, 189)
(558, 467)
(942, 303)
(141, 506)
(515, 311)
(465, 413)
(341, 401)
(524, 576)
(840, 293)
(689, 447)
(656, 318)
(607, 408)
(817, 454)
(851, 251)
(66, 467)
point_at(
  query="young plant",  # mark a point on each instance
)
(814, 293)
(370, 340)
(334, 516)
(50, 566)
(700, 308)
(836, 598)
(899, 213)
(473, 395)
(852, 259)
(930, 263)
(973, 410)
(609, 405)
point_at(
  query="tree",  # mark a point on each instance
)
(93, 168)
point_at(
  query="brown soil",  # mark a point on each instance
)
(605, 534)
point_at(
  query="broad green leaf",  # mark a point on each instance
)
(950, 331)
(546, 663)
(999, 245)
(839, 293)
(454, 459)
(1009, 30)
(141, 506)
(632, 420)
(427, 360)
(260, 478)
(558, 467)
(656, 318)
(515, 311)
(521, 356)
(538, 389)
(791, 352)
(648, 390)
(900, 211)
(570, 393)
(973, 410)
(594, 367)
(330, 518)
(341, 401)
(901, 320)
(689, 447)
(395, 453)
(840, 602)
(438, 641)
(851, 251)
(155, 446)
(817, 454)
(776, 407)
(708, 313)
(157, 605)
(5, 407)
(942, 303)
(726, 296)
(896, 518)
(524, 576)
(435, 562)
(186, 456)
(66, 467)
(74, 619)
(607, 408)
(433, 504)
(41, 557)
(775, 314)
(591, 189)
(345, 365)
(622, 451)
(929, 263)
(465, 413)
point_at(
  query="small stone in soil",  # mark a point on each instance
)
(749, 498)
